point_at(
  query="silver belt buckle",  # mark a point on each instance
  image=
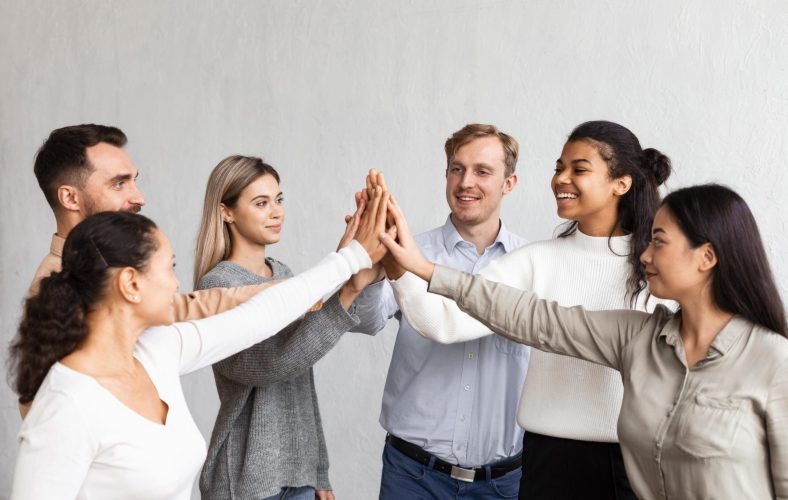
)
(461, 474)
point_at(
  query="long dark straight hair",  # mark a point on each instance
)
(742, 281)
(648, 168)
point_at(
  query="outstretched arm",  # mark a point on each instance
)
(431, 315)
(292, 351)
(204, 303)
(277, 306)
(596, 336)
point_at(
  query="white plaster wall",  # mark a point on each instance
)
(325, 90)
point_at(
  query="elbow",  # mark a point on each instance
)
(438, 335)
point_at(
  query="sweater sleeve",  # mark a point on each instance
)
(206, 341)
(293, 350)
(438, 318)
(52, 464)
(596, 336)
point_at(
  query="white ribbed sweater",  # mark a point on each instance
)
(562, 396)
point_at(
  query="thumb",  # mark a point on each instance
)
(390, 243)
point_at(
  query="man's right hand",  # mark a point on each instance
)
(403, 247)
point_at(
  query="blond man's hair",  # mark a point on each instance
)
(474, 131)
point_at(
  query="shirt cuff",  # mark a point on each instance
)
(445, 281)
(356, 256)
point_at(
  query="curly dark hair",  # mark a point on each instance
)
(649, 169)
(53, 324)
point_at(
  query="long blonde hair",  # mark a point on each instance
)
(225, 184)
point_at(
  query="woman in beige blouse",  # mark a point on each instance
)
(705, 410)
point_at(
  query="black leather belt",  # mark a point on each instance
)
(468, 475)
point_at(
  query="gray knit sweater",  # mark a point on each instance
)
(268, 433)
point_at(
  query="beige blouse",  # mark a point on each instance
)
(714, 431)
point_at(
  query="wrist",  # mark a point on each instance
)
(347, 294)
(425, 271)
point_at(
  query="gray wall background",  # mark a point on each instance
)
(326, 90)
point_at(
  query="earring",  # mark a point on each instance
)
(135, 297)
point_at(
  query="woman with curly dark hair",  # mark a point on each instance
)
(109, 418)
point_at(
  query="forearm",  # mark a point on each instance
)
(293, 350)
(433, 316)
(267, 312)
(596, 336)
(205, 303)
(347, 295)
(373, 307)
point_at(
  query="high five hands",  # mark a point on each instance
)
(368, 223)
(403, 252)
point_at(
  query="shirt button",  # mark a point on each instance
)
(462, 418)
(467, 387)
(470, 355)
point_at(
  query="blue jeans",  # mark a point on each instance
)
(300, 493)
(404, 477)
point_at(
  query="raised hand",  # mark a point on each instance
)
(373, 224)
(352, 221)
(404, 248)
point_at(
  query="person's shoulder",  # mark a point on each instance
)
(49, 264)
(535, 249)
(225, 274)
(63, 391)
(515, 240)
(279, 268)
(770, 343)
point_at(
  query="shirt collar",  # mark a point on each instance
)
(56, 247)
(451, 237)
(722, 343)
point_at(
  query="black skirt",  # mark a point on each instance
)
(566, 469)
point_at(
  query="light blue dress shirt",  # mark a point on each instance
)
(458, 402)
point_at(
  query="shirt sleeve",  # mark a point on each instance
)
(438, 318)
(777, 431)
(52, 464)
(374, 306)
(206, 341)
(205, 303)
(596, 336)
(292, 351)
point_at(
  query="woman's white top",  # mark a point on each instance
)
(79, 441)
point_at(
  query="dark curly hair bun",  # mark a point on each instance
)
(657, 164)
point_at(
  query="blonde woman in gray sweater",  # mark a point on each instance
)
(268, 440)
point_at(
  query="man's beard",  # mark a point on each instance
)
(91, 208)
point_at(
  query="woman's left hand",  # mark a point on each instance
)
(352, 222)
(324, 495)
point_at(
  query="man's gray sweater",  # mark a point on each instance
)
(268, 433)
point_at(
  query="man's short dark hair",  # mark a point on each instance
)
(63, 159)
